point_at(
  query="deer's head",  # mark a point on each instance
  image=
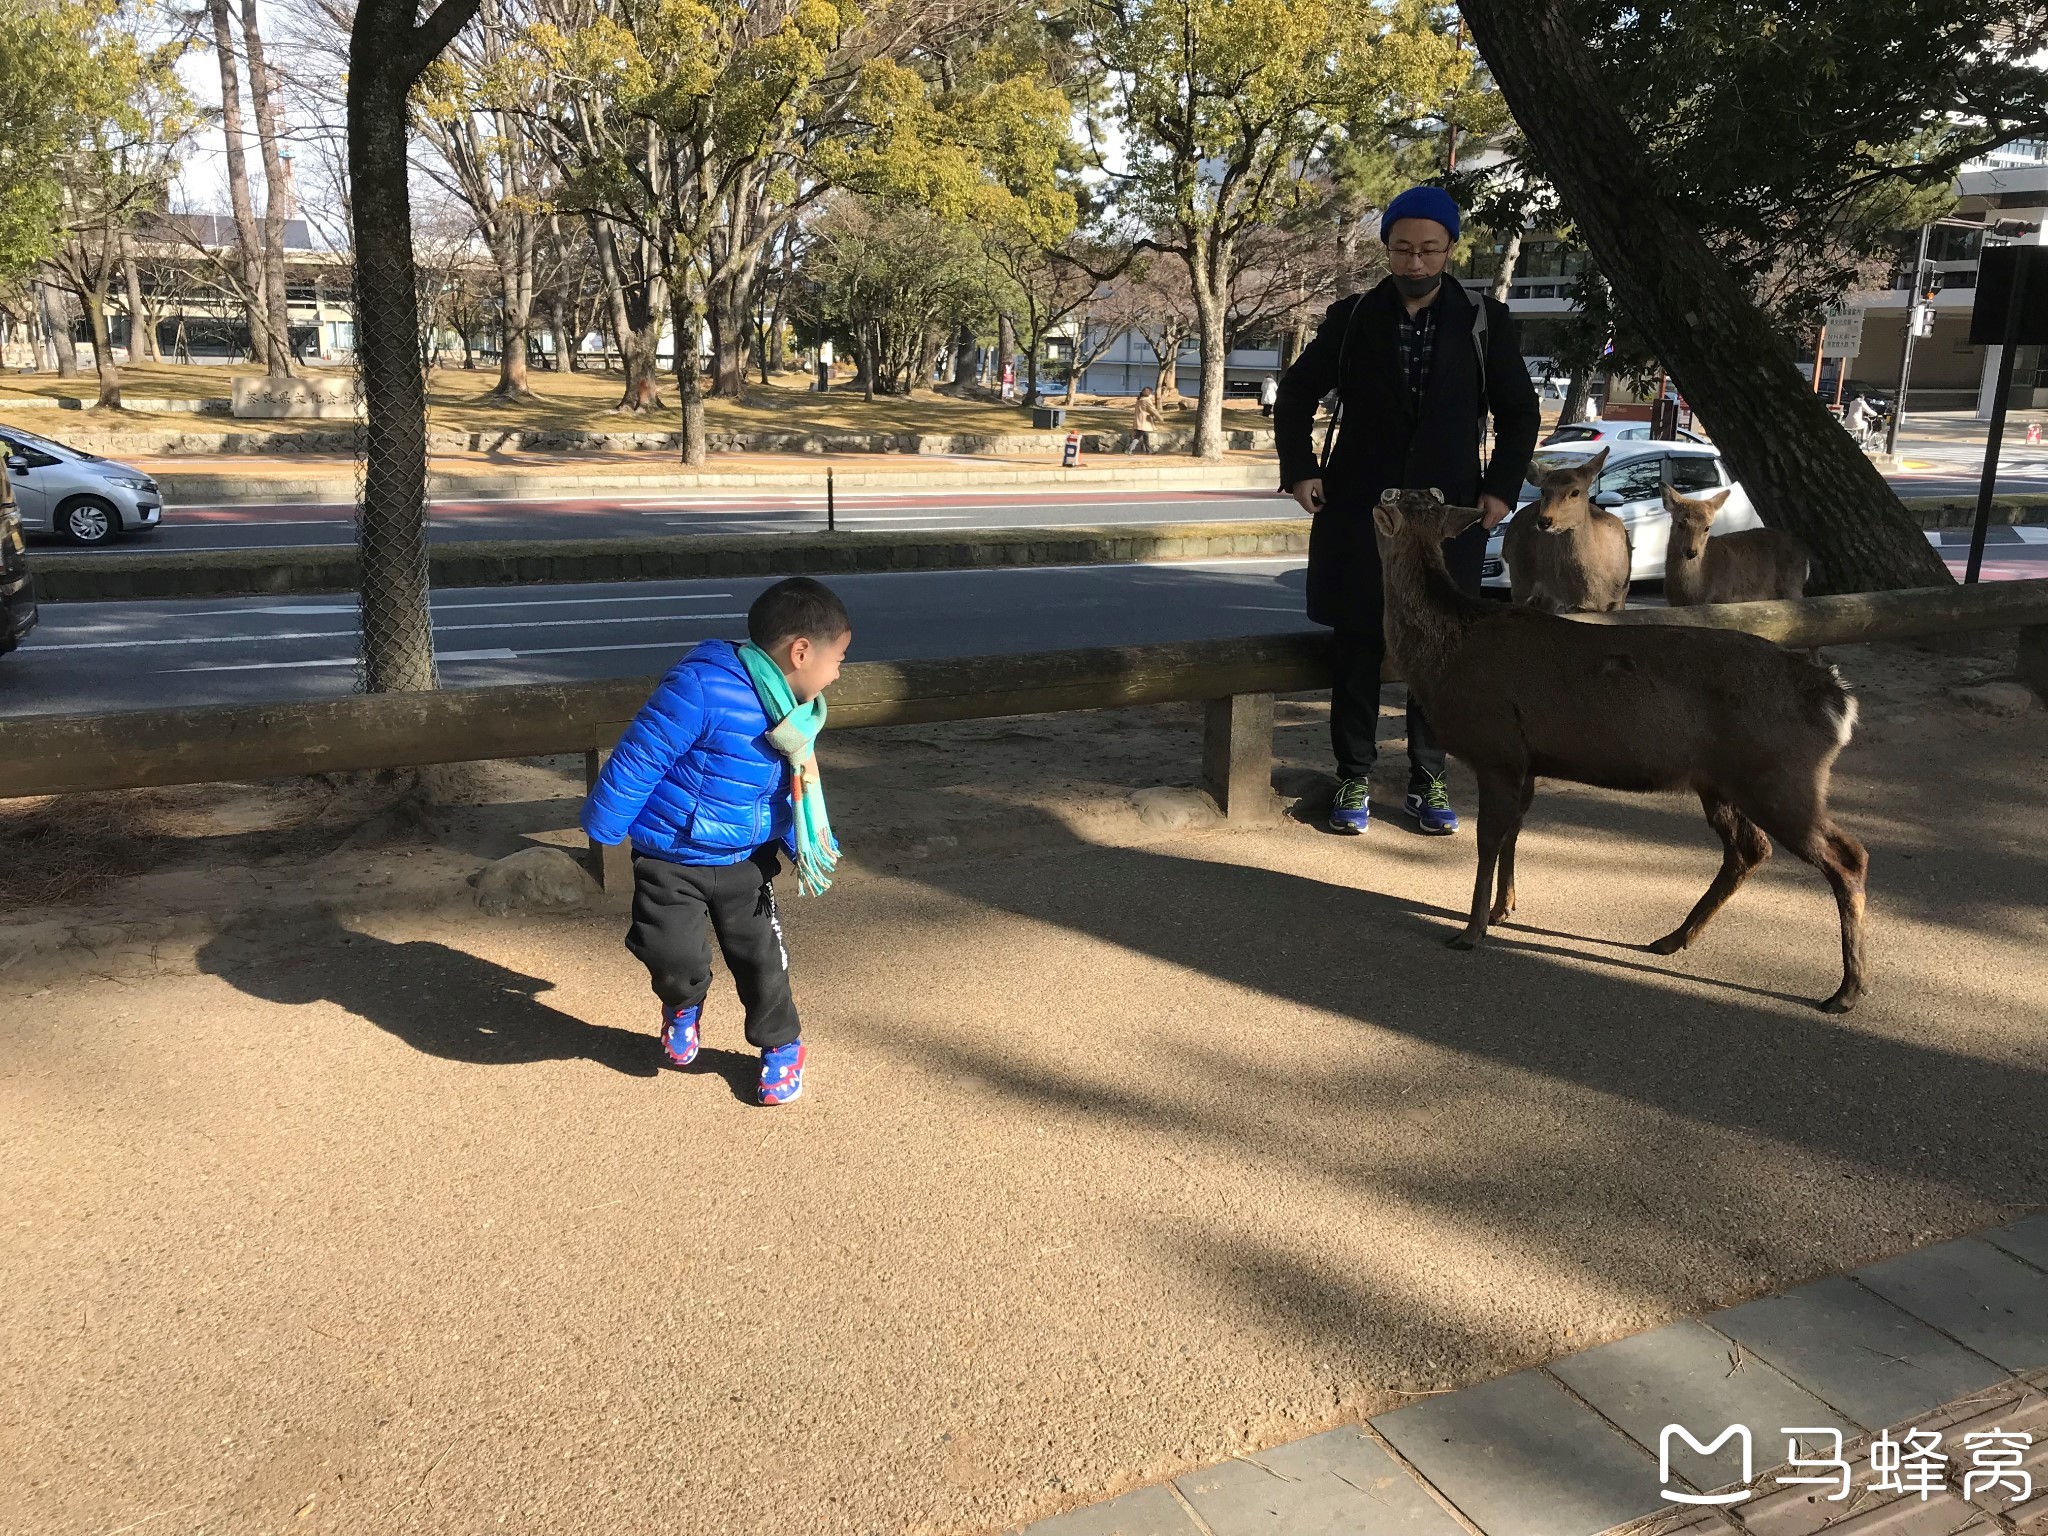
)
(1691, 517)
(1567, 490)
(1421, 518)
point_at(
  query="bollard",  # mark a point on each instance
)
(831, 509)
(1237, 755)
(611, 864)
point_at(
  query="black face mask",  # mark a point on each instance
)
(1416, 287)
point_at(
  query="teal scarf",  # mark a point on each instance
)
(793, 731)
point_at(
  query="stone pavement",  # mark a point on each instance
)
(1949, 1341)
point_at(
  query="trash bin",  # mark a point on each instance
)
(1048, 416)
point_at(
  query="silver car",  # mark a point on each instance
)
(80, 497)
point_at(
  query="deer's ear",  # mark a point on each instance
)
(1458, 519)
(1672, 500)
(1387, 517)
(1714, 503)
(1590, 470)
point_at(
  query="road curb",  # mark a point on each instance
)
(508, 562)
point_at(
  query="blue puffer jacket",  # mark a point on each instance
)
(694, 780)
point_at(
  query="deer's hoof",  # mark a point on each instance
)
(1462, 941)
(1501, 913)
(1842, 1001)
(1670, 944)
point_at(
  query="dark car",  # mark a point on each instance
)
(17, 587)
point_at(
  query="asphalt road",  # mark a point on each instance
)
(107, 656)
(291, 525)
(272, 526)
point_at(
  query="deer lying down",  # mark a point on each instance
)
(1752, 729)
(1747, 567)
(1564, 554)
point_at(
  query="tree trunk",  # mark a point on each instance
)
(1209, 269)
(558, 327)
(1574, 408)
(93, 300)
(690, 380)
(1006, 346)
(142, 345)
(726, 311)
(246, 239)
(1800, 469)
(276, 200)
(515, 292)
(1508, 258)
(57, 326)
(387, 54)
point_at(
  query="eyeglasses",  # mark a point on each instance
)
(1410, 252)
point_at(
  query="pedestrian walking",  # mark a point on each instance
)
(1269, 392)
(1145, 420)
(1418, 364)
(714, 783)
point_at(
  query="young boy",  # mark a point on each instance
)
(713, 781)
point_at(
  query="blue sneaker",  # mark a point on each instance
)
(679, 1034)
(782, 1072)
(1431, 808)
(1351, 811)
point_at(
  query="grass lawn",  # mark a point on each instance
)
(584, 401)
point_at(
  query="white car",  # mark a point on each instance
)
(1632, 488)
(1599, 431)
(79, 496)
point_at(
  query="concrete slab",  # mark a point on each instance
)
(2025, 1239)
(1518, 1457)
(1336, 1484)
(1974, 1292)
(1691, 1376)
(1148, 1512)
(1872, 1361)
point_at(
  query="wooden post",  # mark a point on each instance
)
(2033, 666)
(610, 863)
(1237, 755)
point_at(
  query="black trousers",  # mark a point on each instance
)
(676, 910)
(1355, 687)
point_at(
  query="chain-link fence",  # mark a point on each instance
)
(396, 648)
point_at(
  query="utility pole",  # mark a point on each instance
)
(1451, 123)
(1918, 303)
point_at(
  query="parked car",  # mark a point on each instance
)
(1632, 488)
(1598, 431)
(78, 496)
(17, 586)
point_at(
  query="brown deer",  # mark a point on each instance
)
(1753, 730)
(1565, 554)
(1746, 567)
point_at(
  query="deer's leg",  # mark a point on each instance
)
(1504, 897)
(1743, 848)
(1846, 865)
(1499, 817)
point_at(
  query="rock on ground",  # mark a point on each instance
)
(534, 880)
(2005, 700)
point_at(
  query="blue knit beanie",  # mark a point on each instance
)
(1421, 203)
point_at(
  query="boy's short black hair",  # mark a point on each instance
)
(797, 608)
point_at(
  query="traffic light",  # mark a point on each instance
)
(1923, 319)
(1927, 283)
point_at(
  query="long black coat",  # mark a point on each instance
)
(1384, 441)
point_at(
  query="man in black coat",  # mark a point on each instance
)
(1417, 372)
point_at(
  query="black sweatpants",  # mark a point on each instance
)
(677, 908)
(1355, 687)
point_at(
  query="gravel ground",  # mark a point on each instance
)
(348, 1209)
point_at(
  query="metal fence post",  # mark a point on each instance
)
(611, 864)
(1237, 755)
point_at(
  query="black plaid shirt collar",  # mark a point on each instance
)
(1418, 346)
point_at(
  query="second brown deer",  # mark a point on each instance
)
(1747, 567)
(1753, 730)
(1566, 554)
